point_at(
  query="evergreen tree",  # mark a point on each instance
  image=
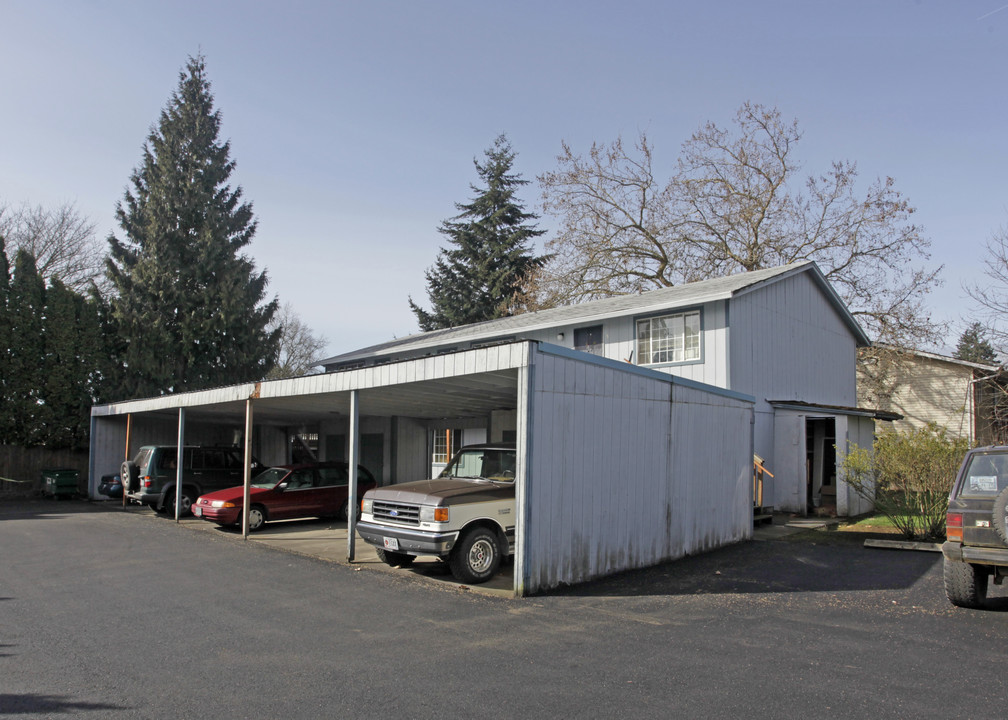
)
(973, 346)
(189, 307)
(6, 421)
(25, 402)
(482, 275)
(63, 384)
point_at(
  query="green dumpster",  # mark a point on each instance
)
(60, 482)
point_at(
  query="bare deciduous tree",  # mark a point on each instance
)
(992, 294)
(735, 203)
(61, 239)
(300, 349)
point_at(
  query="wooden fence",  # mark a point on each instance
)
(21, 468)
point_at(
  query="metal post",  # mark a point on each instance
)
(178, 464)
(352, 489)
(129, 423)
(246, 495)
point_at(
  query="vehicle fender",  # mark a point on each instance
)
(493, 526)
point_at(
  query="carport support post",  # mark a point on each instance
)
(178, 463)
(352, 469)
(247, 479)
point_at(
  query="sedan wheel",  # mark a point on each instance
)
(257, 518)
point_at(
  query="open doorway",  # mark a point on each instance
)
(820, 463)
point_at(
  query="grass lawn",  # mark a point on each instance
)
(870, 523)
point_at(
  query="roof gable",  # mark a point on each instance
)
(670, 298)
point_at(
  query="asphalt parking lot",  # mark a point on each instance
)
(123, 614)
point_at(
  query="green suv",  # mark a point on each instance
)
(976, 548)
(150, 477)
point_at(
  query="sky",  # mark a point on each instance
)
(354, 125)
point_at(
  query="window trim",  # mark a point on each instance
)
(698, 310)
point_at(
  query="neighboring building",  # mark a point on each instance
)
(968, 399)
(782, 335)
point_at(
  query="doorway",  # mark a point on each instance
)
(820, 464)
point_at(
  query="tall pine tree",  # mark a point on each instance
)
(973, 346)
(26, 381)
(189, 307)
(482, 275)
(6, 421)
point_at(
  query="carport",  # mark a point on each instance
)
(618, 466)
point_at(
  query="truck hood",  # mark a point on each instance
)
(442, 491)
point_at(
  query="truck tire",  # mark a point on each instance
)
(394, 559)
(476, 557)
(999, 516)
(965, 584)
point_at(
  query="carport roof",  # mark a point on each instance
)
(469, 383)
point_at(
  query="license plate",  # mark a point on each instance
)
(197, 511)
(391, 543)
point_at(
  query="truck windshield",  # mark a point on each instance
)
(482, 463)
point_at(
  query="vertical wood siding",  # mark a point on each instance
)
(627, 470)
(788, 343)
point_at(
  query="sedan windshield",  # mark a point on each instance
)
(269, 478)
(482, 463)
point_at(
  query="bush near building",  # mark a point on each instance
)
(908, 475)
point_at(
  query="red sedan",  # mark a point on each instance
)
(285, 492)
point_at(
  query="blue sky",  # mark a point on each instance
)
(354, 125)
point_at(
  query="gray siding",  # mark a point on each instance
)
(789, 343)
(619, 336)
(626, 469)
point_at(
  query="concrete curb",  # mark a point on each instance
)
(903, 545)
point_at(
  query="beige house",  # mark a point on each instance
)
(968, 399)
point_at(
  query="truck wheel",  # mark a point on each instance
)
(476, 557)
(965, 585)
(999, 517)
(394, 559)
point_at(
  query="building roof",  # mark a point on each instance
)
(669, 298)
(985, 367)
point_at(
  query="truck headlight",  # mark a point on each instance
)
(433, 514)
(366, 505)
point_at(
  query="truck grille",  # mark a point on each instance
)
(396, 512)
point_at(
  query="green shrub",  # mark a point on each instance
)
(908, 475)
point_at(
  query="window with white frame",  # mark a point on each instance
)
(668, 338)
(446, 442)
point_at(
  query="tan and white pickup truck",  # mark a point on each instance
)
(465, 516)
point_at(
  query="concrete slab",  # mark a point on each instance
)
(327, 540)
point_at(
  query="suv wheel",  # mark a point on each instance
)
(187, 502)
(476, 557)
(999, 516)
(129, 473)
(965, 585)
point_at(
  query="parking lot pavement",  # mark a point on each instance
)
(113, 614)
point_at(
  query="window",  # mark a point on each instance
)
(588, 339)
(446, 442)
(668, 338)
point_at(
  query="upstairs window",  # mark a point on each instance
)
(668, 339)
(589, 339)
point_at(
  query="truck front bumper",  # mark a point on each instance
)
(414, 542)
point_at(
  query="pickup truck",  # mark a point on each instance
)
(465, 516)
